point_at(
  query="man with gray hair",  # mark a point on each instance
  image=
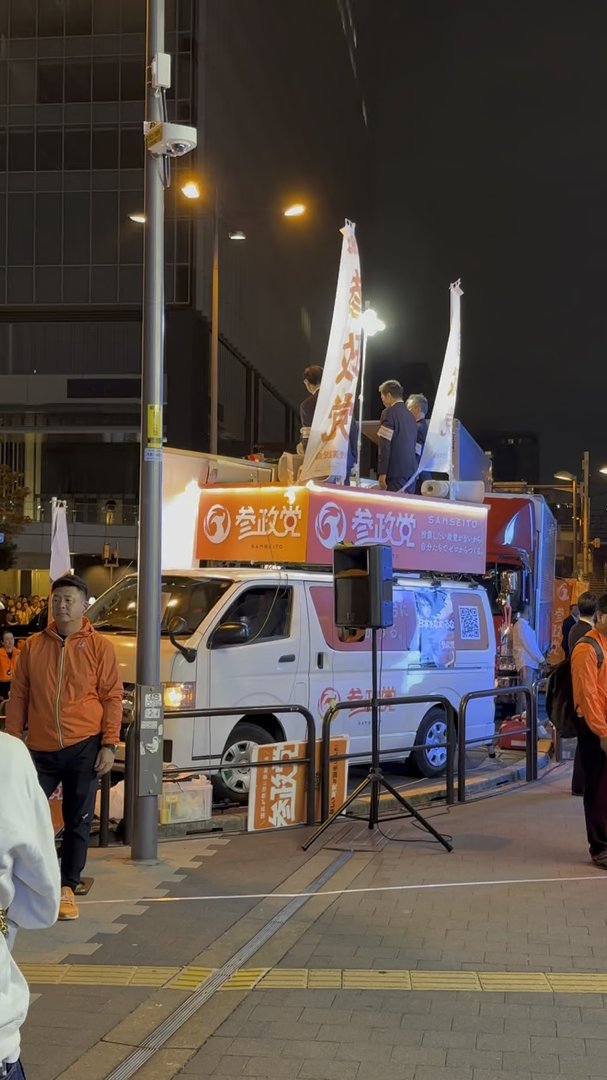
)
(397, 435)
(417, 404)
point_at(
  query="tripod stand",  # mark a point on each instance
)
(375, 778)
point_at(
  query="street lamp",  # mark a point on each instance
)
(191, 190)
(371, 325)
(570, 478)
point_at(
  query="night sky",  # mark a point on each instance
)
(489, 123)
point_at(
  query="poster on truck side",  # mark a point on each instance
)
(277, 795)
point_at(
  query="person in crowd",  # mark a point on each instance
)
(22, 613)
(567, 627)
(29, 887)
(590, 699)
(11, 614)
(67, 692)
(312, 380)
(417, 405)
(528, 656)
(586, 606)
(9, 655)
(397, 438)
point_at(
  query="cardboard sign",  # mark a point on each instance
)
(277, 795)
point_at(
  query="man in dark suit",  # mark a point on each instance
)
(312, 380)
(567, 627)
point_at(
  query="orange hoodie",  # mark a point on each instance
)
(590, 683)
(65, 691)
(8, 663)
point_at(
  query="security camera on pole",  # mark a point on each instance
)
(163, 141)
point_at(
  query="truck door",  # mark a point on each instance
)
(261, 669)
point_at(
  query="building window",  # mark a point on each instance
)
(21, 151)
(131, 148)
(105, 148)
(22, 82)
(78, 14)
(77, 81)
(50, 83)
(105, 80)
(132, 80)
(49, 150)
(50, 18)
(77, 149)
(23, 18)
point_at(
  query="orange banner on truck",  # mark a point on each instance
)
(302, 524)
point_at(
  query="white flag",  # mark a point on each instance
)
(60, 548)
(437, 455)
(327, 449)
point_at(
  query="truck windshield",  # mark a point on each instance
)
(190, 598)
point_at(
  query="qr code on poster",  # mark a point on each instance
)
(469, 623)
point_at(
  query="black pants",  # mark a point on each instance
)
(74, 769)
(395, 483)
(577, 777)
(594, 765)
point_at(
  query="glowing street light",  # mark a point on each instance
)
(371, 323)
(295, 210)
(237, 234)
(138, 218)
(191, 189)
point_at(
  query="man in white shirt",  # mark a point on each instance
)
(29, 885)
(528, 656)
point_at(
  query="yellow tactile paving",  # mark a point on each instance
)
(283, 978)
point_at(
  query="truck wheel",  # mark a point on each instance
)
(232, 783)
(432, 760)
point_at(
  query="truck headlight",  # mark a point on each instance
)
(179, 695)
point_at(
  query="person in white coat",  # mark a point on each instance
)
(528, 656)
(29, 886)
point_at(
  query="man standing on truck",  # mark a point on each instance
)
(397, 439)
(312, 380)
(589, 677)
(417, 404)
(67, 694)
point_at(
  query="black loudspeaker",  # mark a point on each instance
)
(362, 581)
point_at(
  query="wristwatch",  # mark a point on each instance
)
(111, 746)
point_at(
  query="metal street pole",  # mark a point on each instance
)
(586, 559)
(574, 493)
(145, 819)
(214, 375)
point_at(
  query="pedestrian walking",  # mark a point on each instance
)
(397, 438)
(9, 655)
(67, 693)
(589, 678)
(528, 657)
(29, 886)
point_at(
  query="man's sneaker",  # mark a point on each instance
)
(68, 908)
(600, 860)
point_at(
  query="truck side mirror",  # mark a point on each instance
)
(230, 633)
(177, 625)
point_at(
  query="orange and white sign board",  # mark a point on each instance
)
(566, 592)
(277, 795)
(302, 524)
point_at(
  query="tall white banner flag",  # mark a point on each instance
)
(327, 449)
(437, 455)
(60, 548)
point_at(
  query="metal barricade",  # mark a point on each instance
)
(341, 706)
(530, 731)
(189, 714)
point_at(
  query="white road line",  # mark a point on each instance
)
(347, 892)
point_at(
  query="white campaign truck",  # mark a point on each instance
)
(266, 637)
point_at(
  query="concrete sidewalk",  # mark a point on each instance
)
(409, 962)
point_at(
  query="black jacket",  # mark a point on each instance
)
(397, 439)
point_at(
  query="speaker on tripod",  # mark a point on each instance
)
(362, 587)
(362, 583)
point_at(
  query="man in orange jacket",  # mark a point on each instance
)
(590, 699)
(9, 654)
(67, 693)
